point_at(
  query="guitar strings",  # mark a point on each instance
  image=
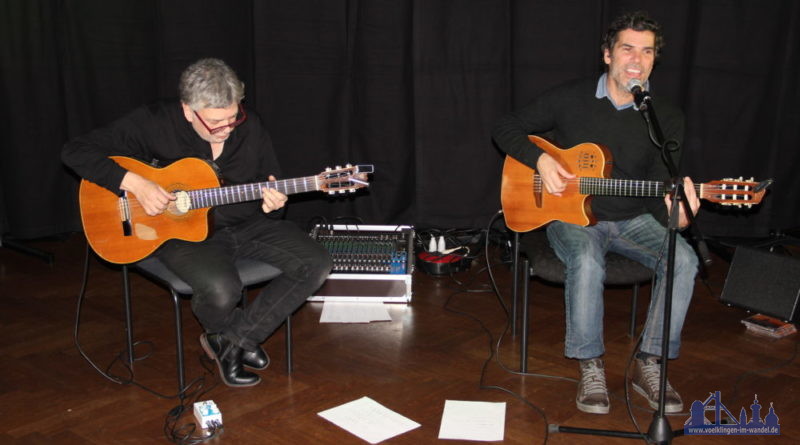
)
(209, 197)
(611, 182)
(736, 193)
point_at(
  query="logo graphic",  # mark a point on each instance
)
(730, 425)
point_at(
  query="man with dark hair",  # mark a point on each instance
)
(603, 111)
(209, 122)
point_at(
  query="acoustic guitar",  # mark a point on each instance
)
(527, 206)
(119, 230)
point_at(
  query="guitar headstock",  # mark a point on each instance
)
(735, 192)
(344, 179)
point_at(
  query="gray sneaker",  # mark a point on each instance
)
(645, 381)
(592, 392)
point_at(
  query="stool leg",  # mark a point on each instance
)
(126, 292)
(634, 305)
(523, 344)
(179, 343)
(289, 344)
(514, 281)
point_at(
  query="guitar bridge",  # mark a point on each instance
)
(125, 214)
(537, 190)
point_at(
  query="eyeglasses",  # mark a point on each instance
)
(232, 125)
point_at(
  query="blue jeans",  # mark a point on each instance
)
(208, 268)
(583, 250)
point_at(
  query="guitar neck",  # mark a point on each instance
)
(626, 187)
(233, 194)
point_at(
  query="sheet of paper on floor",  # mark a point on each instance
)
(345, 312)
(369, 420)
(484, 421)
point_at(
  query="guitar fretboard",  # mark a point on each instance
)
(233, 194)
(730, 192)
(625, 187)
(621, 187)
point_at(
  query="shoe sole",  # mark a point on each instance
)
(213, 356)
(668, 409)
(592, 409)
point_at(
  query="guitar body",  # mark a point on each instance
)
(121, 232)
(527, 206)
(102, 218)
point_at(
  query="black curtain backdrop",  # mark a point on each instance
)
(413, 87)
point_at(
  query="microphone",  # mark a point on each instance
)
(640, 95)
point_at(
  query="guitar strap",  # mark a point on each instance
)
(217, 170)
(155, 162)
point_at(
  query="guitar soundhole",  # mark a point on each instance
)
(182, 203)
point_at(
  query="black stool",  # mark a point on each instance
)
(543, 263)
(251, 272)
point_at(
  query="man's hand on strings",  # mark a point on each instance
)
(272, 199)
(151, 196)
(554, 175)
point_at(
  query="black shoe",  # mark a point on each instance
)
(229, 360)
(257, 359)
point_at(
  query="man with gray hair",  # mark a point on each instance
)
(210, 122)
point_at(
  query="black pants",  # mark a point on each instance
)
(208, 267)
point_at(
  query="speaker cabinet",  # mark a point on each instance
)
(763, 282)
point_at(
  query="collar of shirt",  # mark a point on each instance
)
(602, 92)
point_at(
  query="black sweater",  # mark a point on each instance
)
(160, 132)
(571, 114)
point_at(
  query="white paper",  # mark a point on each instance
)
(368, 420)
(483, 421)
(344, 312)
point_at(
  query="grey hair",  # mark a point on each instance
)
(210, 83)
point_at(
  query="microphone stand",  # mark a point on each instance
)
(660, 432)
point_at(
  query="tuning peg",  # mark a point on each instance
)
(327, 169)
